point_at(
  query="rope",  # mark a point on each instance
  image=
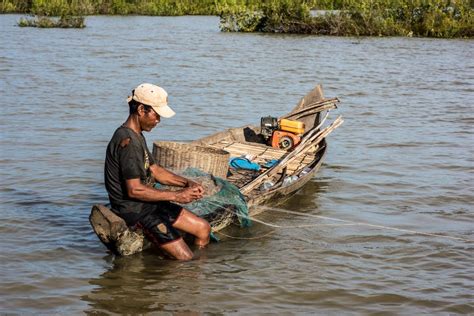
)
(346, 223)
(247, 238)
(297, 226)
(266, 224)
(369, 225)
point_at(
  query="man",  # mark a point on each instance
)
(130, 173)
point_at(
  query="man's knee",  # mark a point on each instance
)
(190, 223)
(204, 230)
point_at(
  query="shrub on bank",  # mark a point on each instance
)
(111, 7)
(265, 16)
(50, 22)
(435, 18)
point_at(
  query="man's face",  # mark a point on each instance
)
(149, 120)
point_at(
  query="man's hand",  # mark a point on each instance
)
(188, 195)
(195, 185)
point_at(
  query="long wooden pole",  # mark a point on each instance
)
(312, 106)
(314, 111)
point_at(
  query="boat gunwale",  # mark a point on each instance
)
(291, 188)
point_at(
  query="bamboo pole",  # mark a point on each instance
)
(314, 111)
(312, 106)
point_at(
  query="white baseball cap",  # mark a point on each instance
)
(154, 96)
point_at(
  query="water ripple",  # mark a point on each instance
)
(403, 159)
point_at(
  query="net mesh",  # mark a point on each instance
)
(220, 198)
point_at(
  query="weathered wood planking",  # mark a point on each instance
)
(262, 153)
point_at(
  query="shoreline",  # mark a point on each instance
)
(433, 19)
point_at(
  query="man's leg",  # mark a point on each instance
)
(194, 225)
(177, 249)
(156, 222)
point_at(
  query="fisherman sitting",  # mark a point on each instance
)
(130, 172)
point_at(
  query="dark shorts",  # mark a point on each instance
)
(156, 220)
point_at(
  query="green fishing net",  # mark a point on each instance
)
(221, 198)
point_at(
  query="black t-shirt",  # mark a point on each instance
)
(127, 158)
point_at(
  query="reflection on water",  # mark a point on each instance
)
(139, 282)
(403, 158)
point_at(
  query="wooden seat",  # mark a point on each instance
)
(114, 232)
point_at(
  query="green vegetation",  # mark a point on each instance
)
(49, 22)
(432, 18)
(111, 7)
(435, 18)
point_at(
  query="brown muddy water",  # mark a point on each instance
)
(403, 159)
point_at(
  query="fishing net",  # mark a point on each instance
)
(221, 200)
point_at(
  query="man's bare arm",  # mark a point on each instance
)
(139, 191)
(167, 177)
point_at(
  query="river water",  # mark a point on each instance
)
(402, 160)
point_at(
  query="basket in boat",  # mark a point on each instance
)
(179, 156)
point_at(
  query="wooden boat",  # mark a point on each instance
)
(294, 169)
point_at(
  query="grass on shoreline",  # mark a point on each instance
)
(427, 18)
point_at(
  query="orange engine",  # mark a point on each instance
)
(284, 140)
